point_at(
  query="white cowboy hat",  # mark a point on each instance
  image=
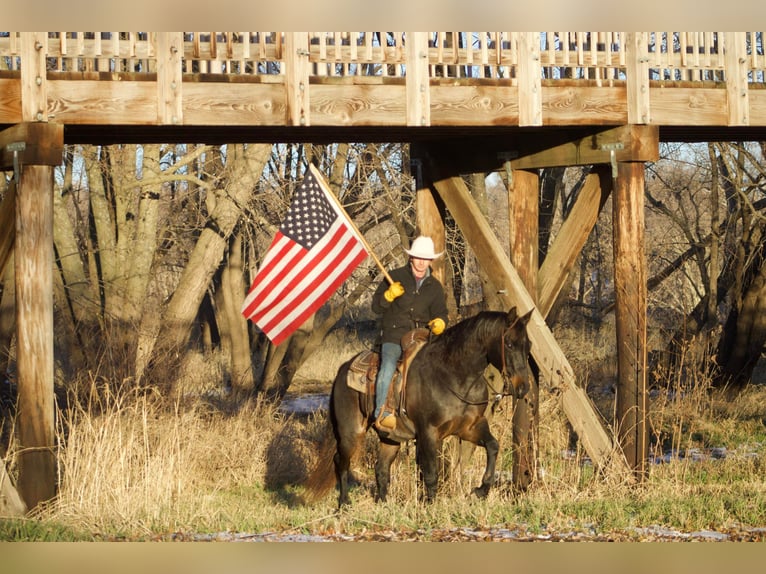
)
(423, 248)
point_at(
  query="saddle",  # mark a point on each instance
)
(364, 370)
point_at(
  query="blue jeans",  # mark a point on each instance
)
(389, 355)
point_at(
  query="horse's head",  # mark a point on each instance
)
(515, 354)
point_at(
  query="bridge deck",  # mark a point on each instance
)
(285, 86)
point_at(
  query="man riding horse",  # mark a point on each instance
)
(414, 299)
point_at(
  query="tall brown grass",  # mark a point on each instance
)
(137, 465)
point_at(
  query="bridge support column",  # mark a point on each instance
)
(524, 208)
(630, 312)
(34, 334)
(32, 150)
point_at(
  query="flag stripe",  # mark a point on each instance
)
(294, 320)
(302, 278)
(317, 285)
(283, 255)
(292, 279)
(313, 252)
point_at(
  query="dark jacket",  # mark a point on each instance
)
(415, 308)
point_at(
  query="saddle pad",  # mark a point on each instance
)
(362, 371)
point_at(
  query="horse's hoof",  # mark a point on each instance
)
(481, 491)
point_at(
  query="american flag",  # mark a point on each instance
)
(314, 251)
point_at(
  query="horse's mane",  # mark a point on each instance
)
(472, 333)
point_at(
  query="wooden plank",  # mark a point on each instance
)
(584, 105)
(430, 222)
(630, 278)
(472, 105)
(297, 79)
(553, 365)
(690, 106)
(34, 265)
(637, 77)
(417, 82)
(523, 204)
(105, 102)
(639, 143)
(169, 76)
(361, 105)
(33, 77)
(7, 226)
(244, 104)
(43, 144)
(10, 501)
(736, 78)
(530, 80)
(571, 238)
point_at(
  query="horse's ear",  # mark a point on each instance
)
(512, 314)
(525, 318)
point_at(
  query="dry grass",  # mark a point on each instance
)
(137, 466)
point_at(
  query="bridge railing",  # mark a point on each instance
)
(598, 56)
(426, 64)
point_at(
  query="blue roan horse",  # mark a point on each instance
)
(445, 394)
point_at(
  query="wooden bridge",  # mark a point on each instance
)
(467, 102)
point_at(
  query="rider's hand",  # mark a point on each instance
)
(437, 325)
(395, 290)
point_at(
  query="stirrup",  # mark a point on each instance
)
(386, 422)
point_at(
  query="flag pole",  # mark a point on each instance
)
(320, 178)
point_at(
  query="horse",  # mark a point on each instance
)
(445, 394)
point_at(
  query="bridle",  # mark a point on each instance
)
(504, 372)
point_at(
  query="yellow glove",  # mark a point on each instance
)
(437, 325)
(395, 290)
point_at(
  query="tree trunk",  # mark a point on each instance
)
(244, 166)
(102, 261)
(233, 289)
(143, 248)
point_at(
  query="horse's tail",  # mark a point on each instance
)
(322, 478)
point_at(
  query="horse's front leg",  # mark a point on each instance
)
(427, 454)
(387, 452)
(480, 435)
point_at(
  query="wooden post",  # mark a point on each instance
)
(33, 264)
(530, 80)
(418, 86)
(428, 219)
(630, 312)
(170, 49)
(571, 238)
(524, 204)
(738, 99)
(297, 78)
(34, 334)
(637, 77)
(553, 364)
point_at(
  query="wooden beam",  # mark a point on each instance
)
(624, 143)
(523, 211)
(630, 313)
(170, 46)
(553, 364)
(429, 222)
(530, 80)
(297, 78)
(637, 77)
(571, 238)
(10, 501)
(737, 68)
(7, 226)
(34, 100)
(418, 88)
(43, 144)
(34, 334)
